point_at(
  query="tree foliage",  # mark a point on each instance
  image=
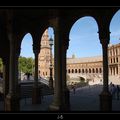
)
(1, 65)
(26, 65)
(82, 79)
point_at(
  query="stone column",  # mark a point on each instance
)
(105, 96)
(5, 77)
(12, 98)
(36, 95)
(57, 104)
(66, 92)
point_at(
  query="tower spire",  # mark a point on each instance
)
(46, 32)
(44, 56)
(45, 39)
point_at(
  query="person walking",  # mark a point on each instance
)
(113, 91)
(74, 89)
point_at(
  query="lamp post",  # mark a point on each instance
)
(51, 67)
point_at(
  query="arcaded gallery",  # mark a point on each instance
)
(15, 23)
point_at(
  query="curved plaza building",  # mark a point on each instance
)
(90, 68)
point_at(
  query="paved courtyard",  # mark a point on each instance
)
(85, 99)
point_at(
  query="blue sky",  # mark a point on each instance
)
(84, 39)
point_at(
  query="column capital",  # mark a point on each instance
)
(104, 43)
(36, 52)
(36, 41)
(65, 43)
(104, 36)
(36, 48)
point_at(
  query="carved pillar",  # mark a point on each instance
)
(12, 99)
(36, 93)
(66, 92)
(57, 103)
(105, 96)
(5, 77)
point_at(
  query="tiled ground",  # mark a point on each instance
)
(85, 99)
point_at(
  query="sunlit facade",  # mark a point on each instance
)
(91, 67)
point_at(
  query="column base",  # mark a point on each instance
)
(67, 99)
(105, 101)
(36, 95)
(55, 107)
(62, 104)
(12, 102)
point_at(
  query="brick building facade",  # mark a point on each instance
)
(90, 67)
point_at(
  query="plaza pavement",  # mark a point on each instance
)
(85, 99)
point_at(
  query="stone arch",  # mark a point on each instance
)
(24, 42)
(72, 70)
(79, 70)
(23, 35)
(78, 16)
(68, 70)
(113, 13)
(114, 31)
(28, 35)
(89, 70)
(117, 59)
(101, 14)
(93, 70)
(82, 78)
(111, 60)
(96, 70)
(82, 70)
(76, 71)
(100, 70)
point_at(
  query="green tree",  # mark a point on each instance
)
(1, 65)
(30, 65)
(82, 79)
(26, 65)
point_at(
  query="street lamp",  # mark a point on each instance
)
(51, 67)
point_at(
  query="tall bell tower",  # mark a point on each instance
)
(44, 56)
